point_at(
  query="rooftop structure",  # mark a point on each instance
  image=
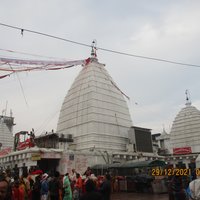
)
(164, 143)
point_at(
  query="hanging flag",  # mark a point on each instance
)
(60, 68)
(20, 65)
(40, 62)
(5, 75)
(87, 61)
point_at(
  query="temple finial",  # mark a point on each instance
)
(188, 100)
(94, 48)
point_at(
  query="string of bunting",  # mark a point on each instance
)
(4, 76)
(18, 65)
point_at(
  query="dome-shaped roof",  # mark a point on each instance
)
(185, 131)
(95, 112)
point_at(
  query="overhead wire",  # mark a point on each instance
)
(100, 48)
(47, 121)
(44, 34)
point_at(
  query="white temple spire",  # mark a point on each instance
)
(89, 111)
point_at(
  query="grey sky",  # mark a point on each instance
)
(162, 29)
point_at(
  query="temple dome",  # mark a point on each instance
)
(185, 131)
(95, 112)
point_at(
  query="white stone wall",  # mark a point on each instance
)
(80, 162)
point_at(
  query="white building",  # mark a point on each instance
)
(95, 112)
(185, 137)
(185, 131)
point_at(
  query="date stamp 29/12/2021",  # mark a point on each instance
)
(173, 172)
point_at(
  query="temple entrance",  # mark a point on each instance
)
(48, 165)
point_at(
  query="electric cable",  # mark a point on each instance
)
(100, 48)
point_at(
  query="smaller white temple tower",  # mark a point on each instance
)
(6, 131)
(185, 131)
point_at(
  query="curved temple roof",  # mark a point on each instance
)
(185, 131)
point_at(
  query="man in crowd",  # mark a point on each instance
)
(54, 187)
(3, 188)
(105, 188)
(91, 191)
(194, 187)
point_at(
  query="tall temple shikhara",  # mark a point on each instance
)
(94, 110)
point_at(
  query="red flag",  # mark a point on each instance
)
(87, 61)
(5, 76)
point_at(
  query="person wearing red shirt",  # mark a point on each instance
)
(17, 193)
(78, 187)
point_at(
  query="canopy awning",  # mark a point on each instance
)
(138, 164)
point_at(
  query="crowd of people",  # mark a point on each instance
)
(183, 187)
(43, 186)
(37, 185)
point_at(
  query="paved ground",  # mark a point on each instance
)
(138, 196)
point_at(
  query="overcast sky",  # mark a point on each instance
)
(162, 29)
